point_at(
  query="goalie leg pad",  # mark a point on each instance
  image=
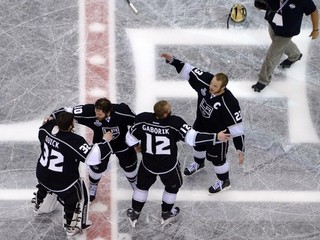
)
(70, 199)
(50, 203)
(84, 203)
(78, 219)
(71, 222)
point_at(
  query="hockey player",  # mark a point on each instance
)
(156, 135)
(101, 117)
(217, 109)
(58, 169)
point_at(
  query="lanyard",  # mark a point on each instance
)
(282, 4)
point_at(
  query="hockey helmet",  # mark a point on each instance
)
(238, 13)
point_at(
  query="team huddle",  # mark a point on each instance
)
(118, 130)
(154, 135)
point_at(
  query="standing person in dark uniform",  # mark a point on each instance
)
(217, 109)
(58, 169)
(101, 117)
(285, 19)
(155, 135)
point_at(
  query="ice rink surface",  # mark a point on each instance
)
(44, 65)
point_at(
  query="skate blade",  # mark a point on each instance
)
(224, 189)
(132, 223)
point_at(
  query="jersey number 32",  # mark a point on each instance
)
(51, 159)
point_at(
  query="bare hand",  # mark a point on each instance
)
(138, 148)
(314, 34)
(222, 136)
(240, 156)
(47, 119)
(107, 136)
(167, 56)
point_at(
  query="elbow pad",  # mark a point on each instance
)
(131, 140)
(236, 130)
(190, 137)
(94, 157)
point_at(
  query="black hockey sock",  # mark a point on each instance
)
(137, 206)
(94, 181)
(199, 160)
(166, 207)
(223, 177)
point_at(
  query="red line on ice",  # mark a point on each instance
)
(96, 11)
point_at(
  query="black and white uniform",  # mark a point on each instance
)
(214, 114)
(58, 165)
(120, 118)
(158, 141)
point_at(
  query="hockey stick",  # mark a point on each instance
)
(132, 6)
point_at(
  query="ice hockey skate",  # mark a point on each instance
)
(219, 186)
(133, 217)
(168, 217)
(193, 168)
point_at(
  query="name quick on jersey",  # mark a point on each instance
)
(155, 130)
(52, 142)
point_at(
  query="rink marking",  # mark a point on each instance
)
(276, 196)
(231, 196)
(144, 43)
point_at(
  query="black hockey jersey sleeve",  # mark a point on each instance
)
(83, 112)
(200, 138)
(189, 135)
(56, 113)
(80, 112)
(126, 113)
(196, 77)
(233, 120)
(46, 128)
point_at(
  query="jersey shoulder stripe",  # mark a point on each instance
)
(65, 143)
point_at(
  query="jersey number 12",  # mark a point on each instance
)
(160, 142)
